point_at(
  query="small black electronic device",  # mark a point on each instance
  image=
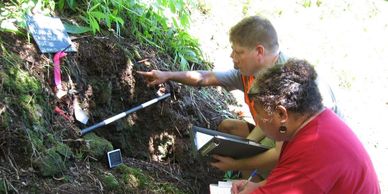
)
(114, 158)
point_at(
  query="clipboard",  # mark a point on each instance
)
(208, 142)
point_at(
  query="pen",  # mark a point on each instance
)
(253, 174)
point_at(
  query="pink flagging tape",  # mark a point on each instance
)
(57, 69)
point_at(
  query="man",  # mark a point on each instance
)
(254, 47)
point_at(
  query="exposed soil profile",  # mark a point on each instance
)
(154, 140)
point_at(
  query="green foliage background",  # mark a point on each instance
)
(160, 23)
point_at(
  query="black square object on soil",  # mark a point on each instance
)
(49, 33)
(114, 158)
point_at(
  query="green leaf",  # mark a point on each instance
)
(75, 29)
(97, 14)
(108, 21)
(71, 3)
(175, 23)
(190, 55)
(94, 24)
(184, 20)
(183, 63)
(120, 20)
(61, 4)
(172, 7)
(94, 7)
(179, 5)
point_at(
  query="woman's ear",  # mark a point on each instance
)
(281, 113)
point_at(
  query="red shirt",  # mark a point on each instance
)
(324, 157)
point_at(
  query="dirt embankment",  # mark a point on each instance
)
(155, 141)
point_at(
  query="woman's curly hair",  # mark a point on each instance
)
(291, 85)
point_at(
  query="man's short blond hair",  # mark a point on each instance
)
(254, 30)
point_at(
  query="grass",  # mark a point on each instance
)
(111, 183)
(130, 178)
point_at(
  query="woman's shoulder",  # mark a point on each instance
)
(317, 140)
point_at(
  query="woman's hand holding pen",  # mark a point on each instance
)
(243, 187)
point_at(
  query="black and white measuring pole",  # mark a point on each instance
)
(123, 114)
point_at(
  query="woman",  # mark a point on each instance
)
(320, 153)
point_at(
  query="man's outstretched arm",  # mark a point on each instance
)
(192, 78)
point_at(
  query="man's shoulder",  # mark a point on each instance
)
(229, 79)
(228, 73)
